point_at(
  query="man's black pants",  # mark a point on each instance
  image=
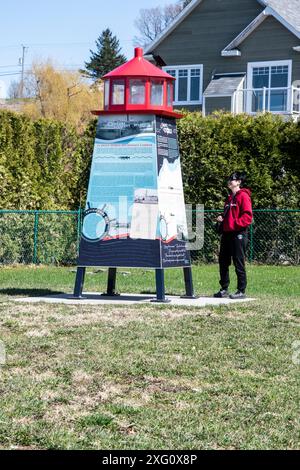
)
(233, 246)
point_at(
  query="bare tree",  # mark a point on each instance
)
(14, 90)
(152, 21)
(57, 94)
(185, 3)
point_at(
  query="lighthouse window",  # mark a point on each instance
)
(170, 94)
(157, 93)
(106, 94)
(118, 92)
(137, 91)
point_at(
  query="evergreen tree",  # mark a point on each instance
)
(107, 56)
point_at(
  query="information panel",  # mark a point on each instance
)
(134, 217)
(173, 224)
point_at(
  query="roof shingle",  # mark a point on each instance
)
(288, 9)
(224, 85)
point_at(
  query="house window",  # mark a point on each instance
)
(269, 86)
(188, 85)
(195, 84)
(183, 77)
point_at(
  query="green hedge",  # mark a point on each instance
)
(266, 147)
(45, 164)
(41, 163)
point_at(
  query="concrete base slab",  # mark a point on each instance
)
(92, 298)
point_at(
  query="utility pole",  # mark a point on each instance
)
(23, 70)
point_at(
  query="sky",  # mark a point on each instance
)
(63, 30)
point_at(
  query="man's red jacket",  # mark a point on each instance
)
(239, 215)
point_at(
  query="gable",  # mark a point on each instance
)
(270, 35)
(248, 13)
(231, 48)
(209, 16)
(289, 10)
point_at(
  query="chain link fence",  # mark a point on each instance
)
(39, 237)
(52, 237)
(273, 238)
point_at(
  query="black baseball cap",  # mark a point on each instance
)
(237, 176)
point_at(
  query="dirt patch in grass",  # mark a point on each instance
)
(37, 333)
(41, 319)
(20, 448)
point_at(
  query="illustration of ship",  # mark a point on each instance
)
(146, 197)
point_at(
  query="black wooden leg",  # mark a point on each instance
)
(111, 283)
(160, 287)
(188, 281)
(79, 282)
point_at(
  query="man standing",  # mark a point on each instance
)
(234, 225)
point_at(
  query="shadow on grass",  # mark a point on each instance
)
(29, 292)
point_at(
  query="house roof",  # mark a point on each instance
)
(288, 9)
(173, 25)
(224, 85)
(285, 11)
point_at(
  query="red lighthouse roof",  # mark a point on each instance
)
(138, 67)
(138, 87)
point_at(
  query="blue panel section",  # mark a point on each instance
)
(123, 171)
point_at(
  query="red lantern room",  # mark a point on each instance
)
(138, 87)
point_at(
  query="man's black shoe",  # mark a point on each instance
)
(238, 295)
(222, 294)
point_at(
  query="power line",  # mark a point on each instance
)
(6, 66)
(29, 72)
(61, 44)
(10, 74)
(63, 65)
(5, 47)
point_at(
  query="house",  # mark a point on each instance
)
(235, 55)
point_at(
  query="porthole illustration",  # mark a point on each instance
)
(163, 227)
(97, 225)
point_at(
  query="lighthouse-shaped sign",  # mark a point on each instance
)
(135, 213)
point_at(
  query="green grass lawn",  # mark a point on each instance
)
(150, 376)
